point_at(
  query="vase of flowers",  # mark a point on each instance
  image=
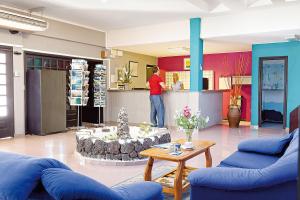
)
(188, 122)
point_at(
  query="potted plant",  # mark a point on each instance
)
(234, 110)
(126, 77)
(188, 122)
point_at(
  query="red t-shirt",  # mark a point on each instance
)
(154, 83)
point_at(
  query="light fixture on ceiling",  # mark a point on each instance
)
(21, 21)
(262, 3)
(179, 50)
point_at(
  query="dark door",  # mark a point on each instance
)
(272, 105)
(6, 93)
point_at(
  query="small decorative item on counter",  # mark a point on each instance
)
(188, 122)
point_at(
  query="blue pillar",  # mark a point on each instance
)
(196, 52)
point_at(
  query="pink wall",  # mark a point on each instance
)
(216, 62)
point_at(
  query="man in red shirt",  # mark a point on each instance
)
(156, 85)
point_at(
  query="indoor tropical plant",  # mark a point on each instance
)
(188, 122)
(234, 110)
(126, 76)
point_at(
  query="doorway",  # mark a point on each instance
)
(273, 91)
(6, 93)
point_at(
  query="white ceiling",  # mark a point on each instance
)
(117, 14)
(177, 48)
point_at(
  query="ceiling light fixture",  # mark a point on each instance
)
(23, 22)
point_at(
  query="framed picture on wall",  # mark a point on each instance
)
(133, 67)
(187, 63)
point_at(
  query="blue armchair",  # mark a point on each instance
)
(260, 169)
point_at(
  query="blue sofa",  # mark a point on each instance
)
(261, 169)
(24, 177)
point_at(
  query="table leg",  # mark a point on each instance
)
(208, 158)
(178, 181)
(148, 170)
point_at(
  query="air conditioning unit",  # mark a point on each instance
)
(20, 21)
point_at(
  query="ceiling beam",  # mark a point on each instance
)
(206, 5)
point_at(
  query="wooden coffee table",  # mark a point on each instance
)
(181, 172)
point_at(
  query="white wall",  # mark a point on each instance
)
(61, 38)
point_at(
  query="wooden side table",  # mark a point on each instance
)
(181, 172)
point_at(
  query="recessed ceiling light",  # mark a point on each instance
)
(220, 8)
(181, 50)
(262, 3)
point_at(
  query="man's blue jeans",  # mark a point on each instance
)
(157, 114)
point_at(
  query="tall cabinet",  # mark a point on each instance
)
(46, 101)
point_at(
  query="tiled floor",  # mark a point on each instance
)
(62, 147)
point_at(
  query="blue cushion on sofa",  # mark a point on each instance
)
(21, 174)
(294, 144)
(270, 146)
(248, 160)
(68, 185)
(141, 191)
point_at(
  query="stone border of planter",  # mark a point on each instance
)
(119, 150)
(104, 162)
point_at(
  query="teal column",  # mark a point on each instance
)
(196, 53)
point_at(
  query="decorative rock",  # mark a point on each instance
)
(125, 157)
(88, 145)
(118, 157)
(109, 156)
(138, 147)
(127, 148)
(133, 154)
(156, 140)
(147, 143)
(165, 138)
(100, 147)
(114, 147)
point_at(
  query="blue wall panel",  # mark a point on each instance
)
(290, 49)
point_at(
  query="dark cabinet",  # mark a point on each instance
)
(46, 101)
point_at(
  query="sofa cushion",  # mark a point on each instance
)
(271, 146)
(21, 174)
(68, 185)
(294, 144)
(248, 160)
(141, 191)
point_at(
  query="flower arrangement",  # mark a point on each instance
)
(188, 121)
(126, 74)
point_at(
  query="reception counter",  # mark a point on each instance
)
(137, 104)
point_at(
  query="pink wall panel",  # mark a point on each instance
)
(223, 65)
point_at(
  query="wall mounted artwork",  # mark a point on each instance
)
(133, 67)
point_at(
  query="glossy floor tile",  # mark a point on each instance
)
(61, 146)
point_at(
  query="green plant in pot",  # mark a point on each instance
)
(126, 76)
(188, 122)
(234, 110)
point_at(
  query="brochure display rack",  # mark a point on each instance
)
(100, 87)
(79, 84)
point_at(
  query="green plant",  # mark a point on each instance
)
(187, 121)
(126, 75)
